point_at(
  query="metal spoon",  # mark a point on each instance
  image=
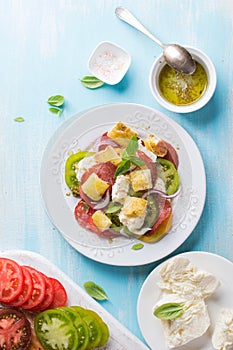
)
(175, 55)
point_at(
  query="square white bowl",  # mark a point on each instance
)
(109, 62)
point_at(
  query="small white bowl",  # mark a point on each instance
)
(109, 62)
(207, 64)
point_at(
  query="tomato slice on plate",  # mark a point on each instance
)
(11, 280)
(27, 290)
(48, 297)
(55, 330)
(15, 330)
(38, 288)
(59, 294)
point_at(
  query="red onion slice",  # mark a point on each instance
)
(161, 193)
(103, 203)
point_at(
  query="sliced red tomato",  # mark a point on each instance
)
(162, 225)
(48, 297)
(59, 294)
(15, 330)
(27, 290)
(11, 280)
(172, 154)
(38, 288)
(149, 164)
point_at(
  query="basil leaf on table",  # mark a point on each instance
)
(95, 291)
(57, 111)
(91, 82)
(168, 311)
(56, 100)
(19, 119)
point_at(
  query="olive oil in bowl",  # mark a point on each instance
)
(182, 89)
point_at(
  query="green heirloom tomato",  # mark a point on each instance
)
(170, 175)
(103, 326)
(80, 325)
(70, 175)
(95, 331)
(152, 211)
(55, 330)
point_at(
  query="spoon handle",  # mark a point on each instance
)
(127, 17)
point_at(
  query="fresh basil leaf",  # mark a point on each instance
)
(95, 291)
(113, 208)
(122, 168)
(56, 100)
(136, 161)
(132, 146)
(137, 246)
(168, 311)
(19, 119)
(91, 82)
(57, 111)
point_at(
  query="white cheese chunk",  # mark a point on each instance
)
(181, 277)
(133, 214)
(120, 189)
(222, 338)
(83, 165)
(192, 324)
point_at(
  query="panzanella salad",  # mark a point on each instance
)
(125, 184)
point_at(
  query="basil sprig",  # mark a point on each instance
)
(128, 158)
(168, 311)
(95, 291)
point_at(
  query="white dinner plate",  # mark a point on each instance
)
(150, 293)
(120, 337)
(78, 132)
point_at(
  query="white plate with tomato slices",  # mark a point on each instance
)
(120, 338)
(78, 133)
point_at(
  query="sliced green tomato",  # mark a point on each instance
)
(55, 330)
(152, 211)
(95, 331)
(171, 177)
(80, 325)
(103, 326)
(70, 175)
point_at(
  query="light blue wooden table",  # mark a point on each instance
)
(45, 46)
